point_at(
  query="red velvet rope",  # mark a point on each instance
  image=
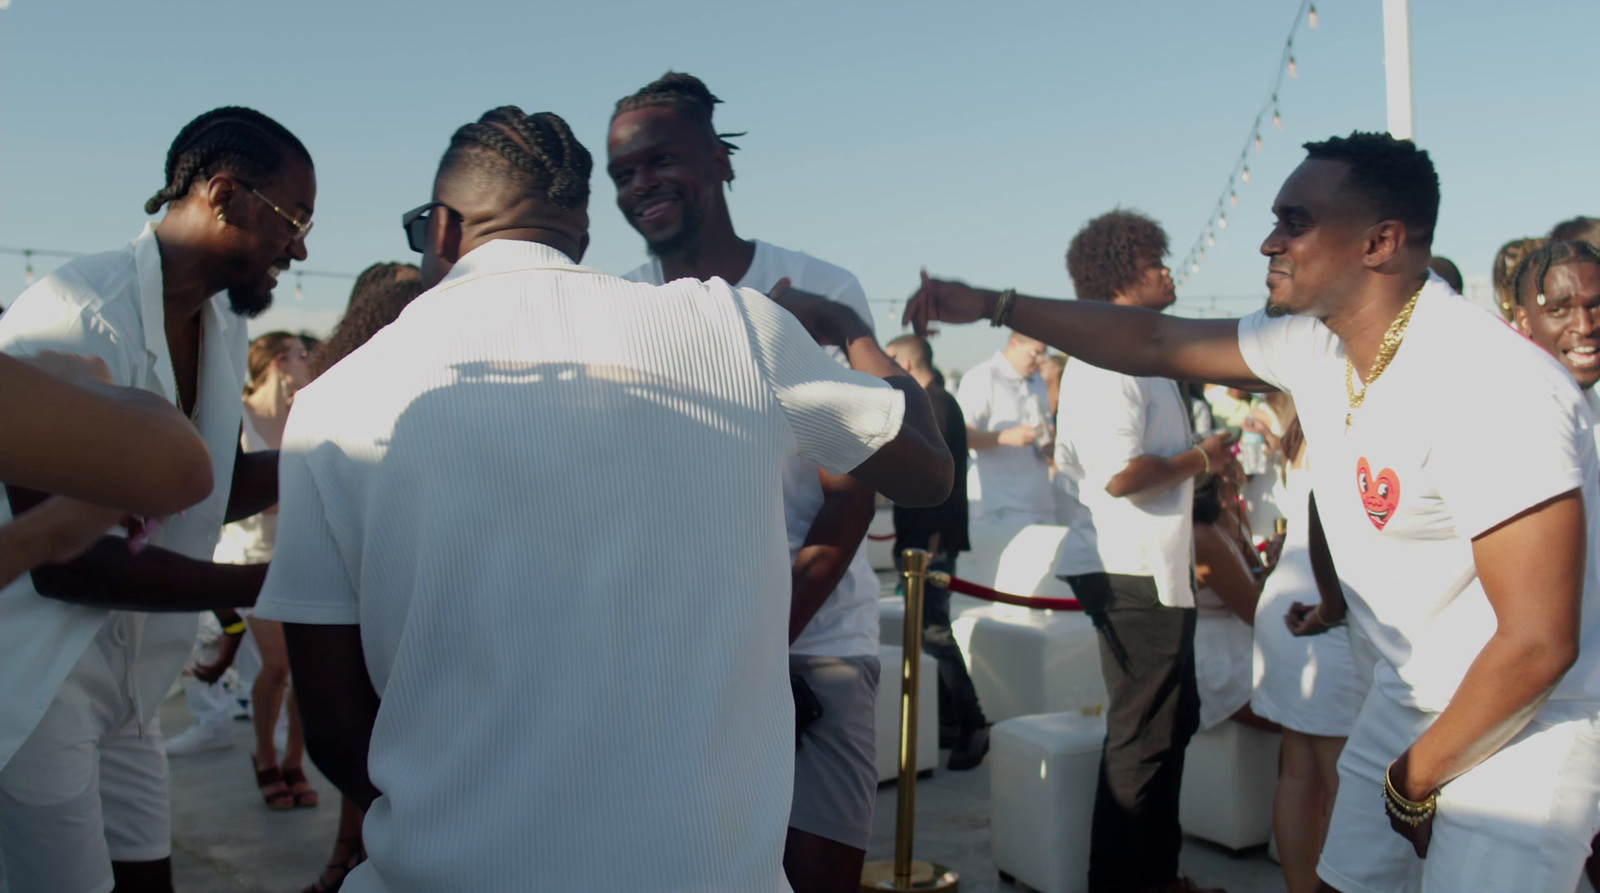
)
(967, 587)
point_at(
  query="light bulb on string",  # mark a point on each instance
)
(1211, 240)
(1277, 119)
(1194, 268)
(1233, 198)
(1294, 69)
(1244, 175)
(1258, 142)
(1222, 222)
(299, 287)
(1311, 18)
(27, 274)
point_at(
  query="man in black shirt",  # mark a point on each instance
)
(942, 530)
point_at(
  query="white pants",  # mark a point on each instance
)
(89, 786)
(1520, 821)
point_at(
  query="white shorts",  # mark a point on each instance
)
(835, 768)
(89, 786)
(1520, 821)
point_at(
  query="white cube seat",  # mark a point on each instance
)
(892, 615)
(888, 714)
(1042, 775)
(1025, 661)
(1230, 774)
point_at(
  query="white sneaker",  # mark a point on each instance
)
(200, 738)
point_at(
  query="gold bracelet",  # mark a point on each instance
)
(235, 628)
(1002, 308)
(1203, 457)
(1411, 812)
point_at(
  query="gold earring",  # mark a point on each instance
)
(222, 216)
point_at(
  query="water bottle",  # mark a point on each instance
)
(1253, 452)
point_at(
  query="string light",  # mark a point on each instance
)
(27, 274)
(1222, 222)
(1244, 175)
(1277, 120)
(1233, 198)
(1212, 241)
(1258, 142)
(299, 287)
(1294, 69)
(1312, 18)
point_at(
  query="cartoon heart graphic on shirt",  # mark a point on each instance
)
(1380, 494)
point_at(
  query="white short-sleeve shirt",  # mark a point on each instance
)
(1105, 420)
(111, 306)
(847, 623)
(1008, 483)
(551, 499)
(1421, 471)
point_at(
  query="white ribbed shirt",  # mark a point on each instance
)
(551, 499)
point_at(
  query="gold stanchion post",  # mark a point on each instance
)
(904, 873)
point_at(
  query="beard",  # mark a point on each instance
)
(249, 302)
(678, 242)
(1275, 311)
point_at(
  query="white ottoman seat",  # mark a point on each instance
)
(888, 715)
(1025, 661)
(1042, 775)
(1230, 773)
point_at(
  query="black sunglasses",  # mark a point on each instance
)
(415, 223)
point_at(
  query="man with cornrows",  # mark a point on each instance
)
(89, 648)
(451, 524)
(1475, 761)
(669, 166)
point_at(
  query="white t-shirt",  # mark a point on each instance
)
(1421, 472)
(1105, 420)
(99, 305)
(550, 498)
(847, 623)
(1008, 484)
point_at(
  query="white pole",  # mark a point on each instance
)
(1397, 66)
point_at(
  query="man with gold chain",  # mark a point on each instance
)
(1475, 763)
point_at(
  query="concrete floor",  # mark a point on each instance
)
(225, 840)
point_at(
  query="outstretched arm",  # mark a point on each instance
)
(60, 414)
(1123, 339)
(255, 484)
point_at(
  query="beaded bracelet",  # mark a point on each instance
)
(1411, 812)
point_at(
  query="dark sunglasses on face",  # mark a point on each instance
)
(415, 223)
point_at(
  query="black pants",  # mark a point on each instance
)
(1147, 656)
(958, 699)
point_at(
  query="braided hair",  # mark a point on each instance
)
(381, 292)
(1529, 278)
(537, 151)
(683, 93)
(231, 138)
(1505, 268)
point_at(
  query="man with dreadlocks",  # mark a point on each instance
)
(669, 165)
(538, 517)
(89, 648)
(1469, 551)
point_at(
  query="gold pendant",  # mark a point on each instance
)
(1347, 421)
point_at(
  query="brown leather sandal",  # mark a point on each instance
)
(268, 778)
(339, 869)
(296, 778)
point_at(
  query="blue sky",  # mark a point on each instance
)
(973, 139)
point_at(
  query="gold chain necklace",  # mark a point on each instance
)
(1386, 351)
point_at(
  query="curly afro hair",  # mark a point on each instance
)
(1394, 176)
(381, 292)
(1112, 251)
(1578, 229)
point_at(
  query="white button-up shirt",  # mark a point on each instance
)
(112, 306)
(1010, 484)
(1105, 420)
(551, 500)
